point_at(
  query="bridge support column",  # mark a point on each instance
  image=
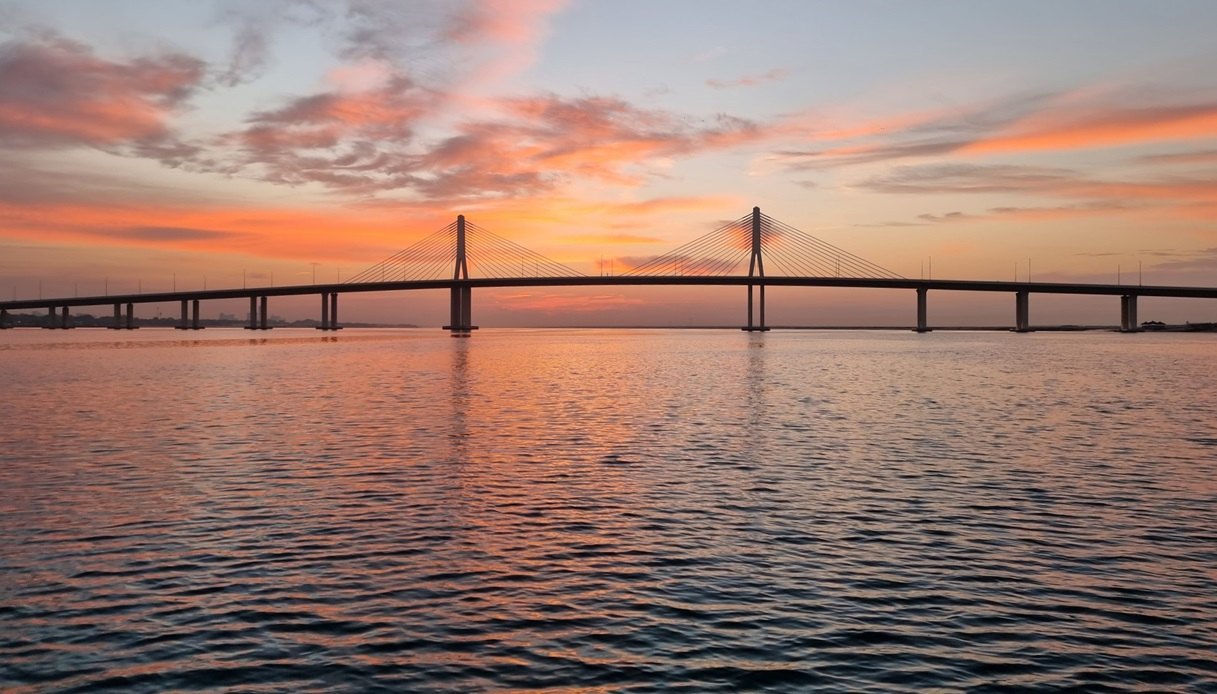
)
(329, 311)
(922, 323)
(118, 318)
(460, 320)
(184, 323)
(756, 325)
(258, 317)
(66, 323)
(52, 320)
(1022, 312)
(130, 316)
(4, 319)
(1128, 314)
(194, 318)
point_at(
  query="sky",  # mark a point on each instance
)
(146, 146)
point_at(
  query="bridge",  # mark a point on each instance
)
(443, 260)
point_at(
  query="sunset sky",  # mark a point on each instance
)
(157, 144)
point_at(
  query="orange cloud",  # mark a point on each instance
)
(1102, 127)
(55, 93)
(308, 234)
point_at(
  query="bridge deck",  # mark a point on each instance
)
(735, 280)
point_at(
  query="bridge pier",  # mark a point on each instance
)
(756, 327)
(1128, 314)
(922, 323)
(188, 322)
(460, 321)
(4, 319)
(59, 321)
(329, 311)
(258, 319)
(118, 318)
(1022, 312)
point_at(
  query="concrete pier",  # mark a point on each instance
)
(183, 323)
(60, 320)
(4, 319)
(329, 311)
(460, 319)
(1022, 311)
(922, 323)
(1128, 314)
(258, 319)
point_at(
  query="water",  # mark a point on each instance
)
(607, 510)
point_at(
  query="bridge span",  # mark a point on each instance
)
(708, 261)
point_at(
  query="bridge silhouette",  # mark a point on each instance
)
(755, 251)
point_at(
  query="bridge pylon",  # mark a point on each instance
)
(756, 268)
(461, 295)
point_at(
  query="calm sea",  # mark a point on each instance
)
(581, 510)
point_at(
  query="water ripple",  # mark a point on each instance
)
(609, 511)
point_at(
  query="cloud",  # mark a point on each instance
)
(249, 55)
(1027, 123)
(1088, 196)
(968, 178)
(1203, 259)
(364, 143)
(154, 233)
(1092, 125)
(57, 93)
(948, 217)
(1206, 156)
(748, 80)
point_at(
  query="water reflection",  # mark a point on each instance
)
(590, 510)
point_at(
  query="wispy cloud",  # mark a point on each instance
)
(153, 233)
(748, 80)
(1088, 196)
(1204, 156)
(1044, 122)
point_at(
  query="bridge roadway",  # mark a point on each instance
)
(462, 288)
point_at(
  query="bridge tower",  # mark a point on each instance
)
(461, 318)
(756, 268)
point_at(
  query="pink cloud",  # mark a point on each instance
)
(56, 92)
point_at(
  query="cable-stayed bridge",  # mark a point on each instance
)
(755, 251)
